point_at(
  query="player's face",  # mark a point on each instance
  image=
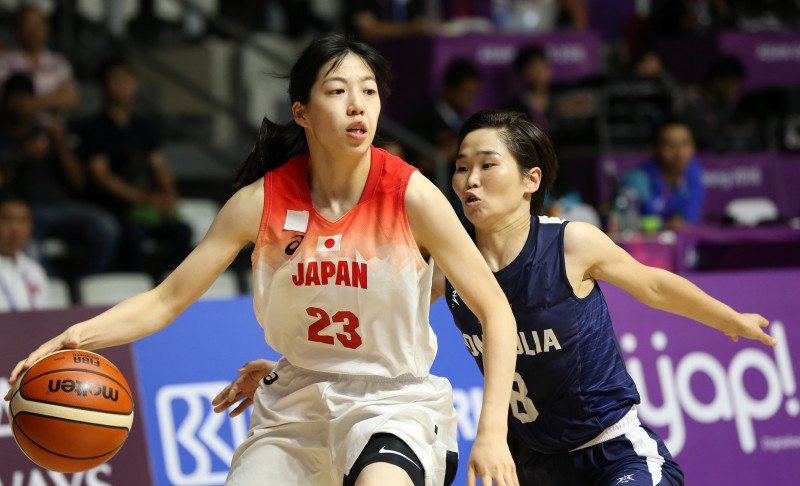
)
(342, 111)
(488, 181)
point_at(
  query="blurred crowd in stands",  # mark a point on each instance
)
(101, 185)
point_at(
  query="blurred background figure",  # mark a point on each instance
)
(669, 186)
(534, 74)
(438, 121)
(23, 282)
(37, 163)
(715, 113)
(54, 85)
(648, 64)
(376, 20)
(130, 174)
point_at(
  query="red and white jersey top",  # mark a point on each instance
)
(349, 296)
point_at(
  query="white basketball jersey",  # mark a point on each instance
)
(350, 296)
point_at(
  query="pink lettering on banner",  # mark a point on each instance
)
(730, 400)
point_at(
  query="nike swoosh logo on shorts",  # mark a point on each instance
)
(384, 450)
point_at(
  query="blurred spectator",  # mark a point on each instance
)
(23, 282)
(55, 88)
(648, 64)
(36, 162)
(669, 186)
(637, 102)
(131, 176)
(574, 14)
(376, 20)
(714, 111)
(534, 73)
(438, 121)
(692, 16)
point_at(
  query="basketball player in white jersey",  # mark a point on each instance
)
(345, 236)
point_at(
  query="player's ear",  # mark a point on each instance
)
(299, 112)
(533, 179)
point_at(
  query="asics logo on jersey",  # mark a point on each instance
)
(384, 450)
(454, 297)
(625, 479)
(295, 243)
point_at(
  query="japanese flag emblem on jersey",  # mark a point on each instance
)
(329, 243)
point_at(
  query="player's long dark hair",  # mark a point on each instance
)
(277, 143)
(529, 145)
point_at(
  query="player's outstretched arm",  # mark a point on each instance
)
(145, 313)
(438, 231)
(243, 387)
(601, 259)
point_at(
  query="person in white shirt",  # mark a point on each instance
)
(23, 282)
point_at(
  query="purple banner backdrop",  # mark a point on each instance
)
(727, 411)
(22, 333)
(772, 59)
(727, 177)
(789, 165)
(419, 63)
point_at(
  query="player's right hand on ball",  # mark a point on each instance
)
(243, 387)
(68, 339)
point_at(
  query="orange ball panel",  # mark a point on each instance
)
(50, 459)
(73, 439)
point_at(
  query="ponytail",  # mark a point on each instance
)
(276, 144)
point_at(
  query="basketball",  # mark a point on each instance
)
(71, 411)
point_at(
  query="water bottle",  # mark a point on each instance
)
(628, 205)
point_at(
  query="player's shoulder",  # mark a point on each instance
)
(583, 237)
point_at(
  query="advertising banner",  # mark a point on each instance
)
(727, 411)
(21, 333)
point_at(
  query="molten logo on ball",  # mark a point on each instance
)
(71, 411)
(83, 389)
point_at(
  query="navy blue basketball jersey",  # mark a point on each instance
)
(570, 382)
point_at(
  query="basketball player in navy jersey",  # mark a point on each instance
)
(344, 239)
(572, 418)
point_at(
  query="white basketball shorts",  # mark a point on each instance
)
(308, 428)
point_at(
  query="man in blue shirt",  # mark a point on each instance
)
(670, 184)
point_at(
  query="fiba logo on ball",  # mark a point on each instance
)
(71, 411)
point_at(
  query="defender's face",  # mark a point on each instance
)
(487, 179)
